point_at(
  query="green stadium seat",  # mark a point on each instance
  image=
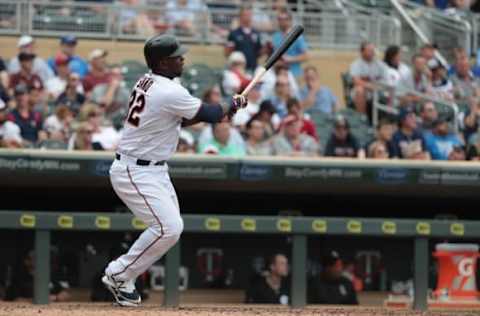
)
(197, 78)
(347, 83)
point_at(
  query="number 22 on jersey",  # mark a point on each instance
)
(135, 107)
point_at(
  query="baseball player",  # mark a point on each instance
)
(158, 108)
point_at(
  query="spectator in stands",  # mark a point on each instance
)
(206, 137)
(440, 142)
(82, 138)
(235, 78)
(365, 71)
(75, 63)
(331, 287)
(134, 21)
(25, 75)
(186, 144)
(298, 51)
(458, 153)
(471, 120)
(180, 14)
(4, 77)
(461, 54)
(59, 125)
(104, 136)
(396, 71)
(408, 140)
(26, 45)
(30, 122)
(245, 39)
(281, 96)
(439, 4)
(315, 97)
(342, 143)
(267, 86)
(442, 87)
(428, 116)
(113, 96)
(38, 100)
(308, 127)
(98, 73)
(222, 143)
(72, 97)
(427, 51)
(377, 150)
(419, 81)
(10, 135)
(57, 84)
(385, 130)
(21, 284)
(465, 84)
(266, 114)
(256, 145)
(272, 287)
(473, 150)
(292, 142)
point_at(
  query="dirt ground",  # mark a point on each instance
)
(103, 309)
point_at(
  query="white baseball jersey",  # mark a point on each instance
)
(156, 109)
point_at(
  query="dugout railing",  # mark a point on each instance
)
(299, 228)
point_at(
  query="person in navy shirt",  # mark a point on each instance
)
(76, 64)
(408, 140)
(439, 4)
(298, 51)
(245, 39)
(29, 121)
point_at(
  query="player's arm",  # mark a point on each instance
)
(214, 113)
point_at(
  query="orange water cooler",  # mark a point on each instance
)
(457, 266)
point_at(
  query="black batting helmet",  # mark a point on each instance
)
(161, 46)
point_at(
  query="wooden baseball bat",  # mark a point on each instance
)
(294, 33)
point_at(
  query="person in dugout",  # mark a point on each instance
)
(330, 286)
(272, 286)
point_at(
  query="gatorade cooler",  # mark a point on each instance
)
(457, 265)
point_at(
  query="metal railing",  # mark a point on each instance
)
(299, 228)
(209, 24)
(10, 17)
(386, 100)
(434, 26)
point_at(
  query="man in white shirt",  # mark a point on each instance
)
(26, 44)
(365, 71)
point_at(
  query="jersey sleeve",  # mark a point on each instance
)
(182, 103)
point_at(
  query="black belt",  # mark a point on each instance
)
(141, 162)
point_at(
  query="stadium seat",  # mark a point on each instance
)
(132, 70)
(347, 87)
(52, 144)
(199, 77)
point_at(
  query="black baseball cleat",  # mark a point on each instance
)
(124, 292)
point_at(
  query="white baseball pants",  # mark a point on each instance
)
(149, 194)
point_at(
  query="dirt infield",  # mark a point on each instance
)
(102, 309)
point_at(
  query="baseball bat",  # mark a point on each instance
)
(294, 33)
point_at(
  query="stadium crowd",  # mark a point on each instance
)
(72, 102)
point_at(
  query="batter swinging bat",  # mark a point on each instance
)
(294, 33)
